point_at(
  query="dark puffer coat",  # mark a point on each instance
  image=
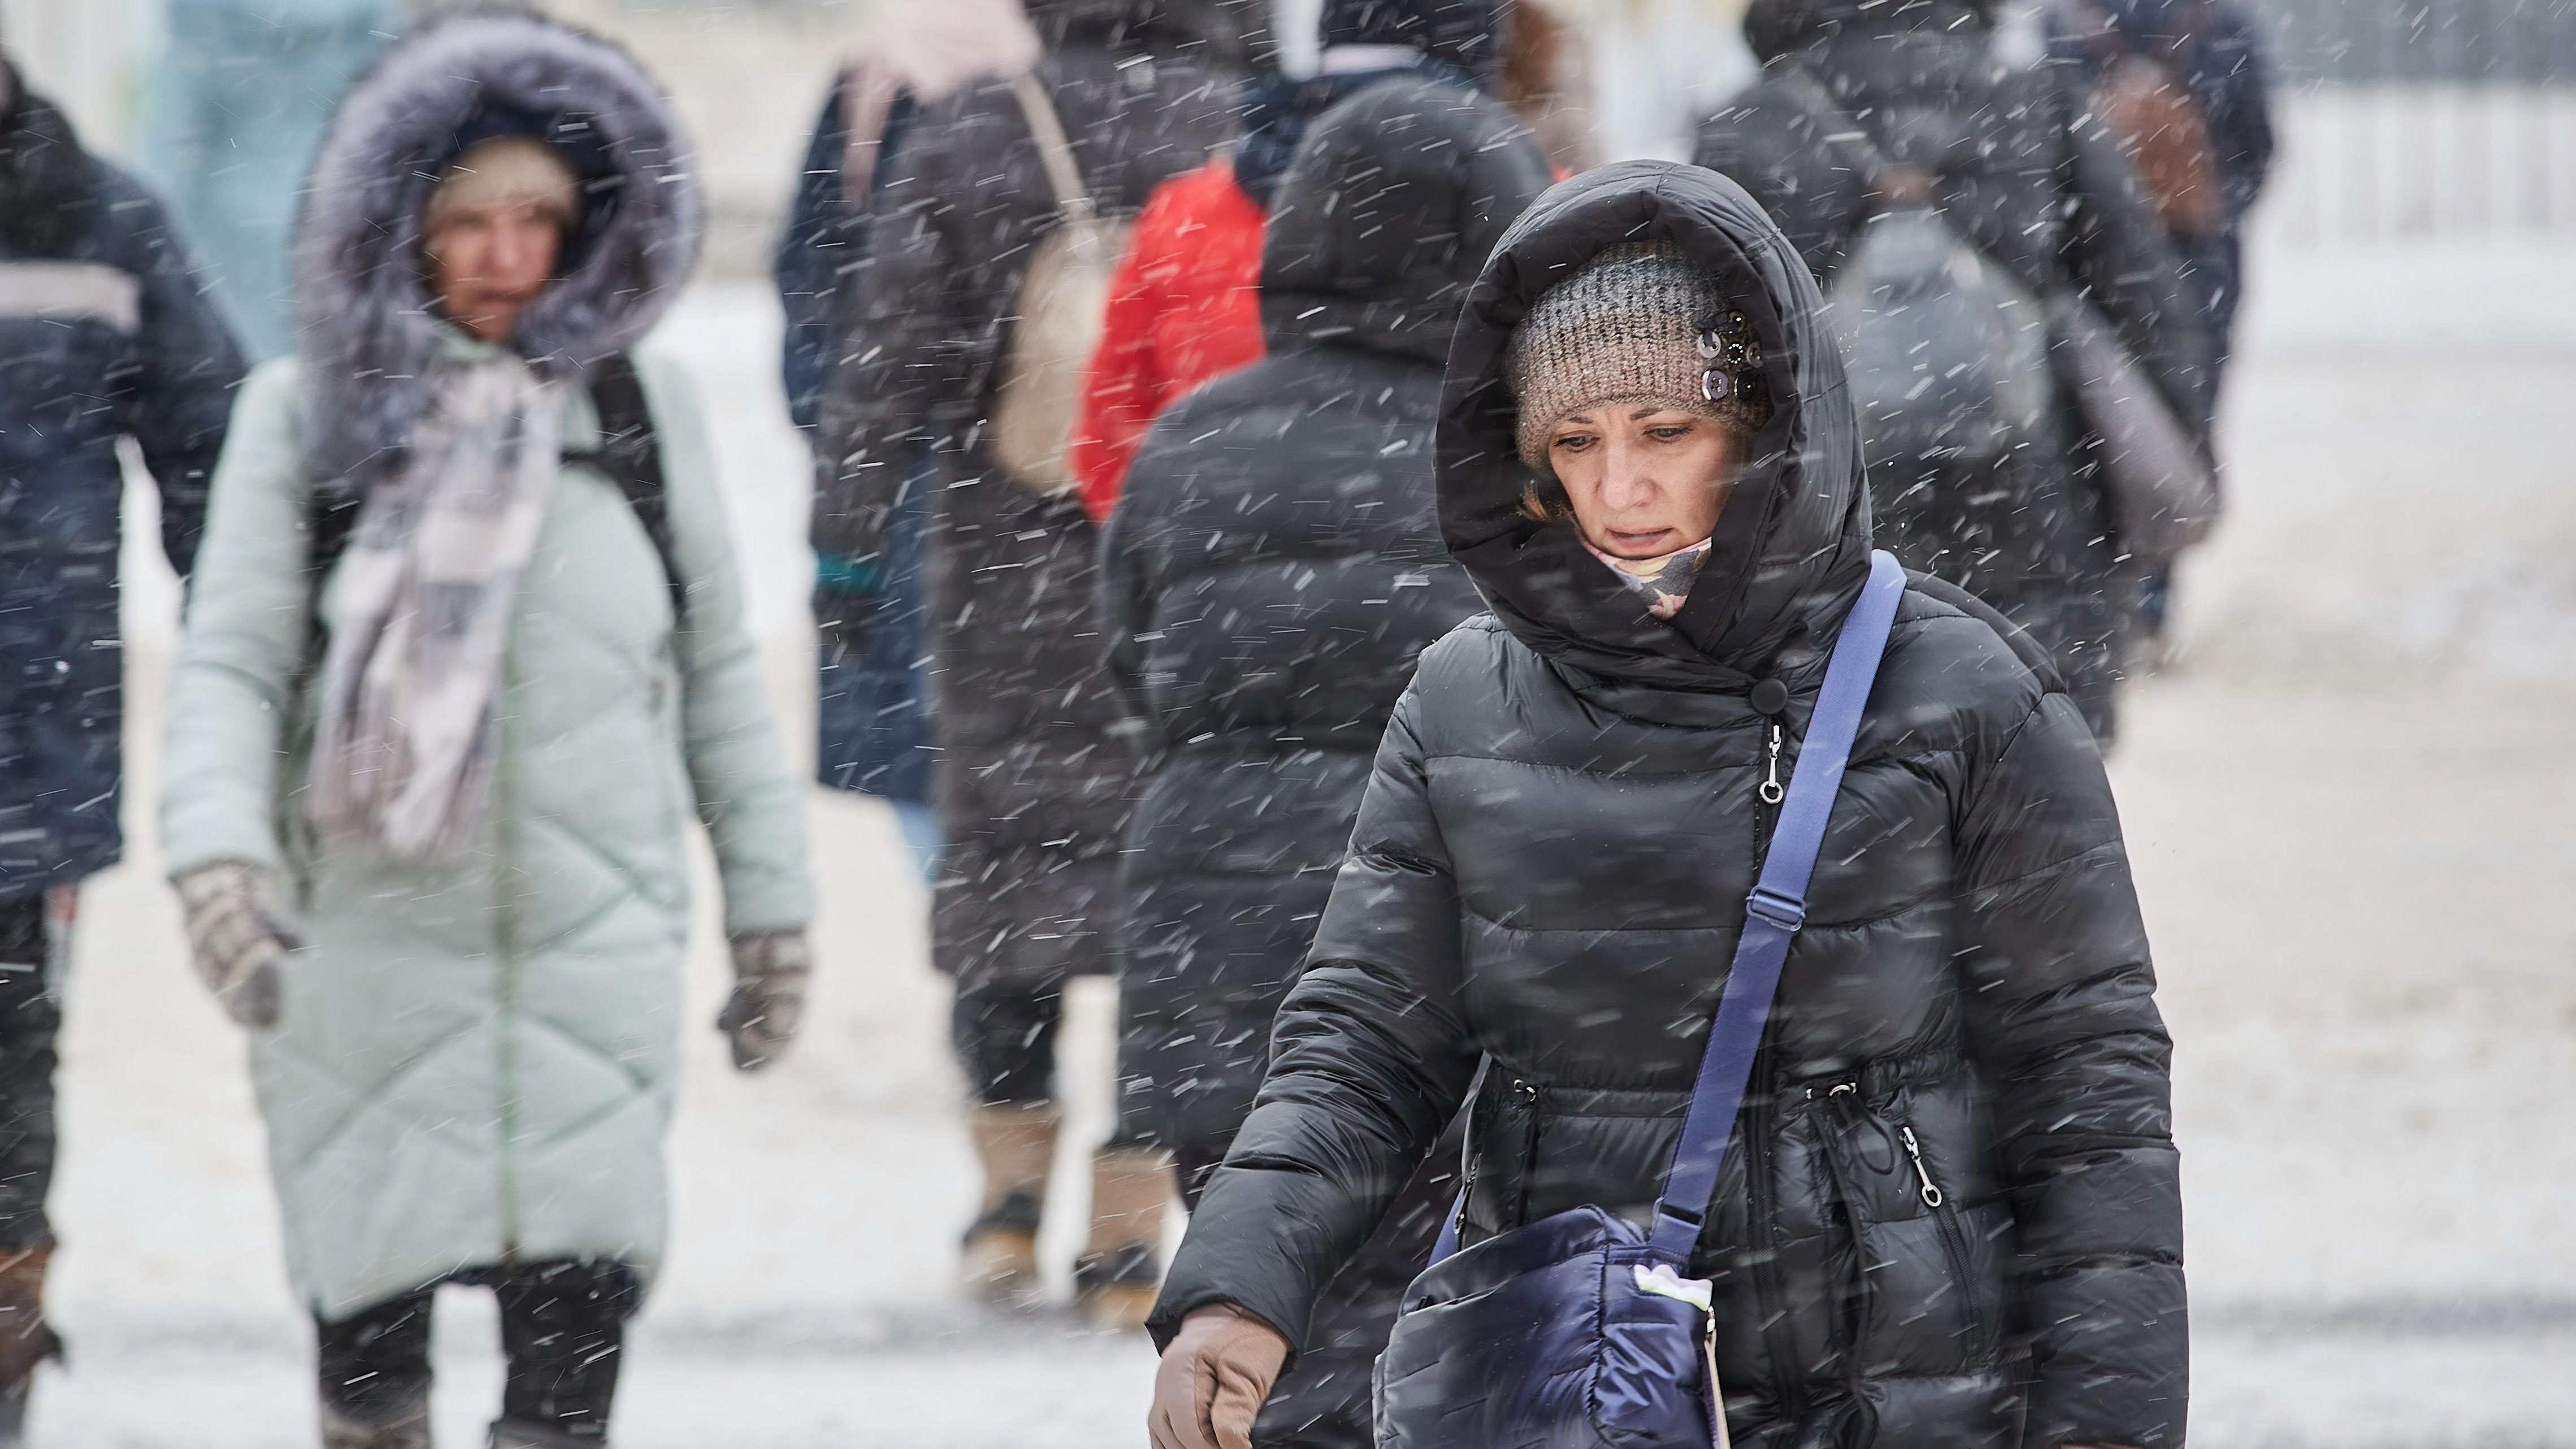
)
(1275, 569)
(103, 335)
(1037, 756)
(1270, 577)
(2038, 187)
(1549, 870)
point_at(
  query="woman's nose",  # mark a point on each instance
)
(1626, 481)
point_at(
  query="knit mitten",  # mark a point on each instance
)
(770, 969)
(237, 935)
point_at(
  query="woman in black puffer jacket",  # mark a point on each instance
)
(1549, 873)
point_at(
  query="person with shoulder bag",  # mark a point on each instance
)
(1763, 904)
(464, 656)
(993, 238)
(2033, 384)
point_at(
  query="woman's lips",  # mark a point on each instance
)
(1640, 544)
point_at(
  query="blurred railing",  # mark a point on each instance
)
(2423, 118)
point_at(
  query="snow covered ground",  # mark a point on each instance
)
(2350, 806)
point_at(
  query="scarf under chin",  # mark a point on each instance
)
(402, 757)
(1666, 582)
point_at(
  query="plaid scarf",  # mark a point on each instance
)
(403, 755)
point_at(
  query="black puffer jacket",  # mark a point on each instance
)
(104, 336)
(2038, 187)
(1036, 755)
(1272, 573)
(1275, 568)
(1550, 867)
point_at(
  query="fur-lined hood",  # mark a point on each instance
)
(365, 324)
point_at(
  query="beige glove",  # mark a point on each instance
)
(770, 969)
(237, 935)
(1214, 1379)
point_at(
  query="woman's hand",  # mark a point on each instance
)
(236, 936)
(1214, 1379)
(770, 969)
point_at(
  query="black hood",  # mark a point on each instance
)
(1917, 73)
(1792, 547)
(1386, 215)
(1463, 33)
(1216, 31)
(47, 195)
(1775, 28)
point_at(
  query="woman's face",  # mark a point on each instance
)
(1645, 480)
(489, 262)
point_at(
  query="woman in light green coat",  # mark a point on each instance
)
(464, 654)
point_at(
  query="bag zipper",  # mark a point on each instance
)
(1954, 1240)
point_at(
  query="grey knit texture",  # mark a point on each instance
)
(1623, 329)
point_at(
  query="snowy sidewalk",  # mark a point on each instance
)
(2349, 809)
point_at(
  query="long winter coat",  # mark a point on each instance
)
(475, 1062)
(1036, 754)
(1549, 871)
(103, 336)
(2043, 191)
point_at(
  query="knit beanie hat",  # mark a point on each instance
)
(503, 169)
(1636, 324)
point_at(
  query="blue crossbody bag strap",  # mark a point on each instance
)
(1774, 912)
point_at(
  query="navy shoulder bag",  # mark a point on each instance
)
(1579, 1331)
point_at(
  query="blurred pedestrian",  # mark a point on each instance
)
(464, 654)
(2185, 88)
(2199, 64)
(104, 338)
(1950, 1214)
(1272, 573)
(1867, 112)
(971, 319)
(1183, 305)
(872, 697)
(235, 112)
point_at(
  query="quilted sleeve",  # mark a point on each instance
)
(1370, 1058)
(2062, 1023)
(752, 805)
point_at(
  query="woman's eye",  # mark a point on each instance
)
(1668, 434)
(1575, 444)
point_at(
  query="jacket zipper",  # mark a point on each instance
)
(1770, 1299)
(1954, 1240)
(1844, 1097)
(1529, 1147)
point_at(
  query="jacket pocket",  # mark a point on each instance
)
(1930, 1264)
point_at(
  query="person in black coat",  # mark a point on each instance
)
(1036, 754)
(1551, 863)
(1272, 572)
(2215, 53)
(2014, 162)
(104, 336)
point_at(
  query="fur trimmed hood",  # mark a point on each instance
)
(365, 324)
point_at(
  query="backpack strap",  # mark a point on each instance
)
(1064, 178)
(630, 453)
(1774, 912)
